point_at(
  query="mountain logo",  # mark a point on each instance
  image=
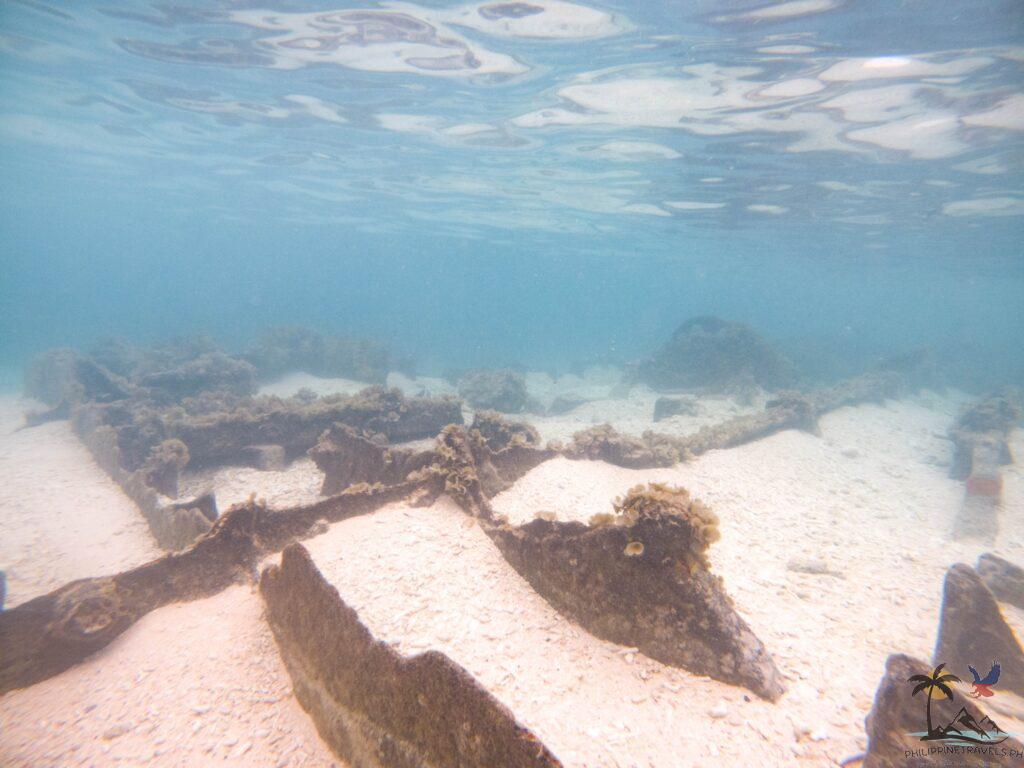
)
(964, 726)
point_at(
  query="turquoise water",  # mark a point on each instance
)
(540, 183)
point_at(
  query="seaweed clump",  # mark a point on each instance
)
(498, 432)
(468, 469)
(660, 499)
(605, 443)
(707, 352)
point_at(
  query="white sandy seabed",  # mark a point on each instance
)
(869, 501)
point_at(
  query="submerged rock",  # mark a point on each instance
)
(564, 404)
(498, 390)
(710, 353)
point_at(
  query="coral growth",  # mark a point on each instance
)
(710, 353)
(165, 373)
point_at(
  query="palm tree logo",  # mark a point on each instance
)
(935, 681)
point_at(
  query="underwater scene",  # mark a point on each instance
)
(512, 384)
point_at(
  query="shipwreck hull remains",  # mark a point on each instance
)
(631, 585)
(372, 705)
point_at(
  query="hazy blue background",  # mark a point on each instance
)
(156, 178)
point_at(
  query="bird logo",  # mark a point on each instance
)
(982, 686)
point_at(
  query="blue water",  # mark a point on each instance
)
(533, 183)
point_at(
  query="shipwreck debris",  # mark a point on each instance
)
(605, 443)
(984, 429)
(981, 446)
(59, 412)
(266, 458)
(143, 446)
(786, 410)
(213, 371)
(372, 705)
(972, 630)
(220, 438)
(347, 456)
(498, 432)
(641, 578)
(46, 635)
(62, 377)
(1004, 579)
